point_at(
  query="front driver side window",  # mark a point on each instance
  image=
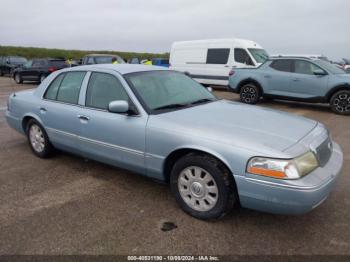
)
(305, 67)
(241, 56)
(102, 89)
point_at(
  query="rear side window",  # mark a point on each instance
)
(282, 65)
(51, 92)
(242, 56)
(102, 89)
(218, 56)
(68, 91)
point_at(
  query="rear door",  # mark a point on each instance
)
(277, 77)
(60, 110)
(304, 83)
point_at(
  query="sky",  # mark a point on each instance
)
(280, 26)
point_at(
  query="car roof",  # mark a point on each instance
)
(120, 68)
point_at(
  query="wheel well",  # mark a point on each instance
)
(176, 155)
(25, 122)
(336, 89)
(250, 81)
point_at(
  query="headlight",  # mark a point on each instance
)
(281, 168)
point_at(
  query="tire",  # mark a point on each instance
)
(42, 78)
(209, 192)
(340, 102)
(249, 94)
(18, 79)
(38, 139)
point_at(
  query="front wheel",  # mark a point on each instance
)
(18, 78)
(203, 186)
(38, 139)
(249, 94)
(340, 102)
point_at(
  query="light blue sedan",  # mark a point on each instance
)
(162, 124)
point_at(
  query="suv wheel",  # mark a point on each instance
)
(340, 102)
(38, 139)
(249, 94)
(18, 78)
(203, 186)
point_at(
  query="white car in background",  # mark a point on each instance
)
(210, 61)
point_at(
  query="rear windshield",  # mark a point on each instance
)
(17, 60)
(329, 67)
(58, 63)
(259, 55)
(107, 60)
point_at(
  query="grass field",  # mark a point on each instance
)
(35, 52)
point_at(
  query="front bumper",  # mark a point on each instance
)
(290, 196)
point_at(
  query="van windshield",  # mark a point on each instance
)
(259, 55)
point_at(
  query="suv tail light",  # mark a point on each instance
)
(232, 72)
(52, 69)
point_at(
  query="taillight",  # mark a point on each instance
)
(52, 69)
(232, 72)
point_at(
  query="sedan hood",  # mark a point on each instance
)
(252, 127)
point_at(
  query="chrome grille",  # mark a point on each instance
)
(324, 151)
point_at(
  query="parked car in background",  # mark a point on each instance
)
(294, 78)
(101, 59)
(37, 69)
(9, 63)
(210, 61)
(160, 62)
(160, 123)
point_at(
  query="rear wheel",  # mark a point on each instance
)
(203, 186)
(340, 102)
(18, 78)
(249, 94)
(38, 139)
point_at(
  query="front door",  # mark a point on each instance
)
(305, 83)
(117, 139)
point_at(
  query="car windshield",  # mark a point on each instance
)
(168, 89)
(107, 59)
(259, 55)
(330, 67)
(18, 60)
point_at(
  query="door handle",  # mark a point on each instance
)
(296, 79)
(227, 66)
(267, 76)
(85, 118)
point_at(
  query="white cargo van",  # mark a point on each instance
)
(210, 61)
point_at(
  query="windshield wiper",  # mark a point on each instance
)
(200, 101)
(170, 106)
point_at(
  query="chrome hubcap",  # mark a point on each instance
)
(342, 102)
(36, 138)
(248, 94)
(198, 189)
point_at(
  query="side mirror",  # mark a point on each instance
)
(118, 106)
(319, 72)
